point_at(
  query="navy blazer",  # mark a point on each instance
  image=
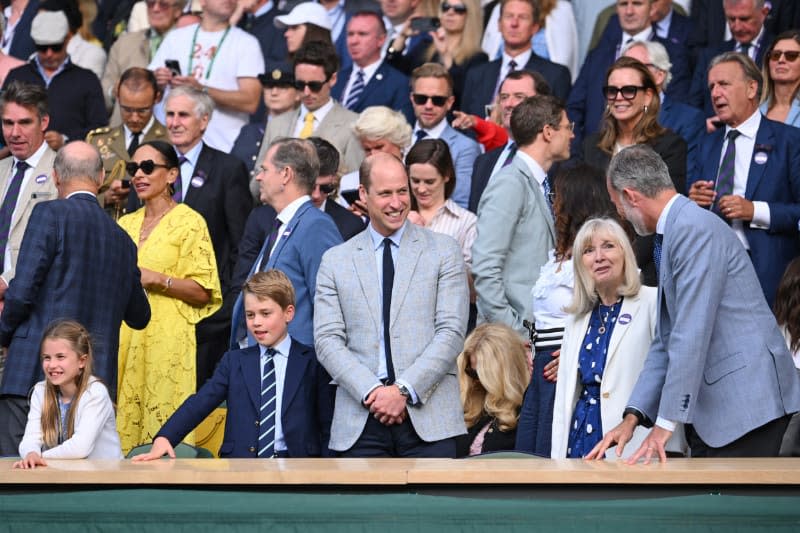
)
(777, 182)
(22, 45)
(298, 253)
(76, 263)
(388, 87)
(271, 39)
(481, 172)
(306, 408)
(482, 80)
(587, 103)
(349, 224)
(680, 29)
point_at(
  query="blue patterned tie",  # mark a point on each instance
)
(388, 282)
(658, 240)
(9, 204)
(355, 90)
(421, 134)
(178, 186)
(266, 437)
(548, 193)
(727, 169)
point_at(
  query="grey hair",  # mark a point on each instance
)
(380, 122)
(69, 165)
(640, 168)
(659, 58)
(584, 295)
(203, 104)
(301, 156)
(749, 68)
(757, 4)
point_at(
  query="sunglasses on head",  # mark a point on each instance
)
(628, 92)
(314, 86)
(147, 166)
(790, 55)
(163, 4)
(422, 99)
(54, 47)
(460, 9)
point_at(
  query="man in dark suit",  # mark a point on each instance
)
(324, 192)
(668, 24)
(369, 81)
(75, 263)
(586, 102)
(517, 86)
(518, 24)
(746, 22)
(298, 236)
(214, 184)
(750, 171)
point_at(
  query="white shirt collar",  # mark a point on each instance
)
(35, 157)
(434, 132)
(282, 348)
(129, 133)
(319, 114)
(643, 35)
(662, 218)
(377, 238)
(748, 128)
(536, 169)
(520, 59)
(288, 212)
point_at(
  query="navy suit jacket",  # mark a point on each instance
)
(680, 28)
(689, 123)
(271, 39)
(481, 172)
(387, 87)
(306, 409)
(22, 46)
(777, 182)
(482, 80)
(587, 102)
(298, 253)
(75, 263)
(349, 224)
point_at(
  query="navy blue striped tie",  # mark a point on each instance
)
(727, 169)
(355, 91)
(266, 436)
(9, 204)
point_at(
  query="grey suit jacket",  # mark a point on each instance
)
(336, 128)
(515, 233)
(428, 322)
(39, 188)
(718, 359)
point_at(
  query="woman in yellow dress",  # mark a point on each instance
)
(157, 364)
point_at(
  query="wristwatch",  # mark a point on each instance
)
(404, 392)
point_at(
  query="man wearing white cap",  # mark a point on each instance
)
(76, 97)
(218, 59)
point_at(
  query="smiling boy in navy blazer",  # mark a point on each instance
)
(303, 398)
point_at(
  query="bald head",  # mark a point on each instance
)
(78, 166)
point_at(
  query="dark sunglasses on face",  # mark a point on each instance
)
(163, 4)
(314, 86)
(147, 166)
(54, 47)
(460, 9)
(628, 92)
(422, 99)
(790, 55)
(326, 188)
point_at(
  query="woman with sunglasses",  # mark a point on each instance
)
(492, 374)
(780, 98)
(179, 273)
(631, 117)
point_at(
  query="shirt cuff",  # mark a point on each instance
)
(364, 398)
(414, 397)
(760, 216)
(669, 425)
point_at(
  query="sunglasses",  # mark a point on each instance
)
(326, 188)
(147, 166)
(458, 9)
(163, 4)
(314, 86)
(54, 47)
(790, 55)
(628, 92)
(422, 99)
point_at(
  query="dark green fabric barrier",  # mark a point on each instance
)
(216, 511)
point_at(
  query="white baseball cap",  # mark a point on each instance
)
(305, 13)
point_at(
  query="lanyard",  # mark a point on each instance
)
(211, 63)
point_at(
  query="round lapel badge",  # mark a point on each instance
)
(624, 319)
(41, 178)
(760, 157)
(198, 181)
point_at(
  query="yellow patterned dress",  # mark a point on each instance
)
(157, 364)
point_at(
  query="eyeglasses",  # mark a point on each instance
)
(790, 55)
(458, 9)
(628, 92)
(569, 125)
(163, 4)
(326, 188)
(422, 99)
(54, 47)
(313, 86)
(147, 166)
(135, 110)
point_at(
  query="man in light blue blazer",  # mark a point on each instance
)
(300, 234)
(718, 362)
(390, 314)
(515, 220)
(432, 97)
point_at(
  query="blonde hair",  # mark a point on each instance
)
(81, 342)
(469, 42)
(380, 122)
(272, 284)
(502, 371)
(584, 295)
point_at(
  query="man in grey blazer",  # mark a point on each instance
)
(718, 362)
(390, 314)
(315, 66)
(515, 219)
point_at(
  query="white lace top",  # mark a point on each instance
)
(552, 292)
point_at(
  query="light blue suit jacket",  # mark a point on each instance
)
(718, 360)
(463, 151)
(428, 319)
(298, 253)
(792, 119)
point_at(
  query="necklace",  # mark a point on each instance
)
(147, 228)
(604, 319)
(213, 57)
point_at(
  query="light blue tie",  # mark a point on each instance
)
(266, 437)
(355, 90)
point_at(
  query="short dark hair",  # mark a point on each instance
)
(434, 152)
(137, 78)
(371, 13)
(328, 156)
(318, 53)
(167, 152)
(534, 8)
(26, 95)
(531, 116)
(540, 84)
(300, 156)
(432, 70)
